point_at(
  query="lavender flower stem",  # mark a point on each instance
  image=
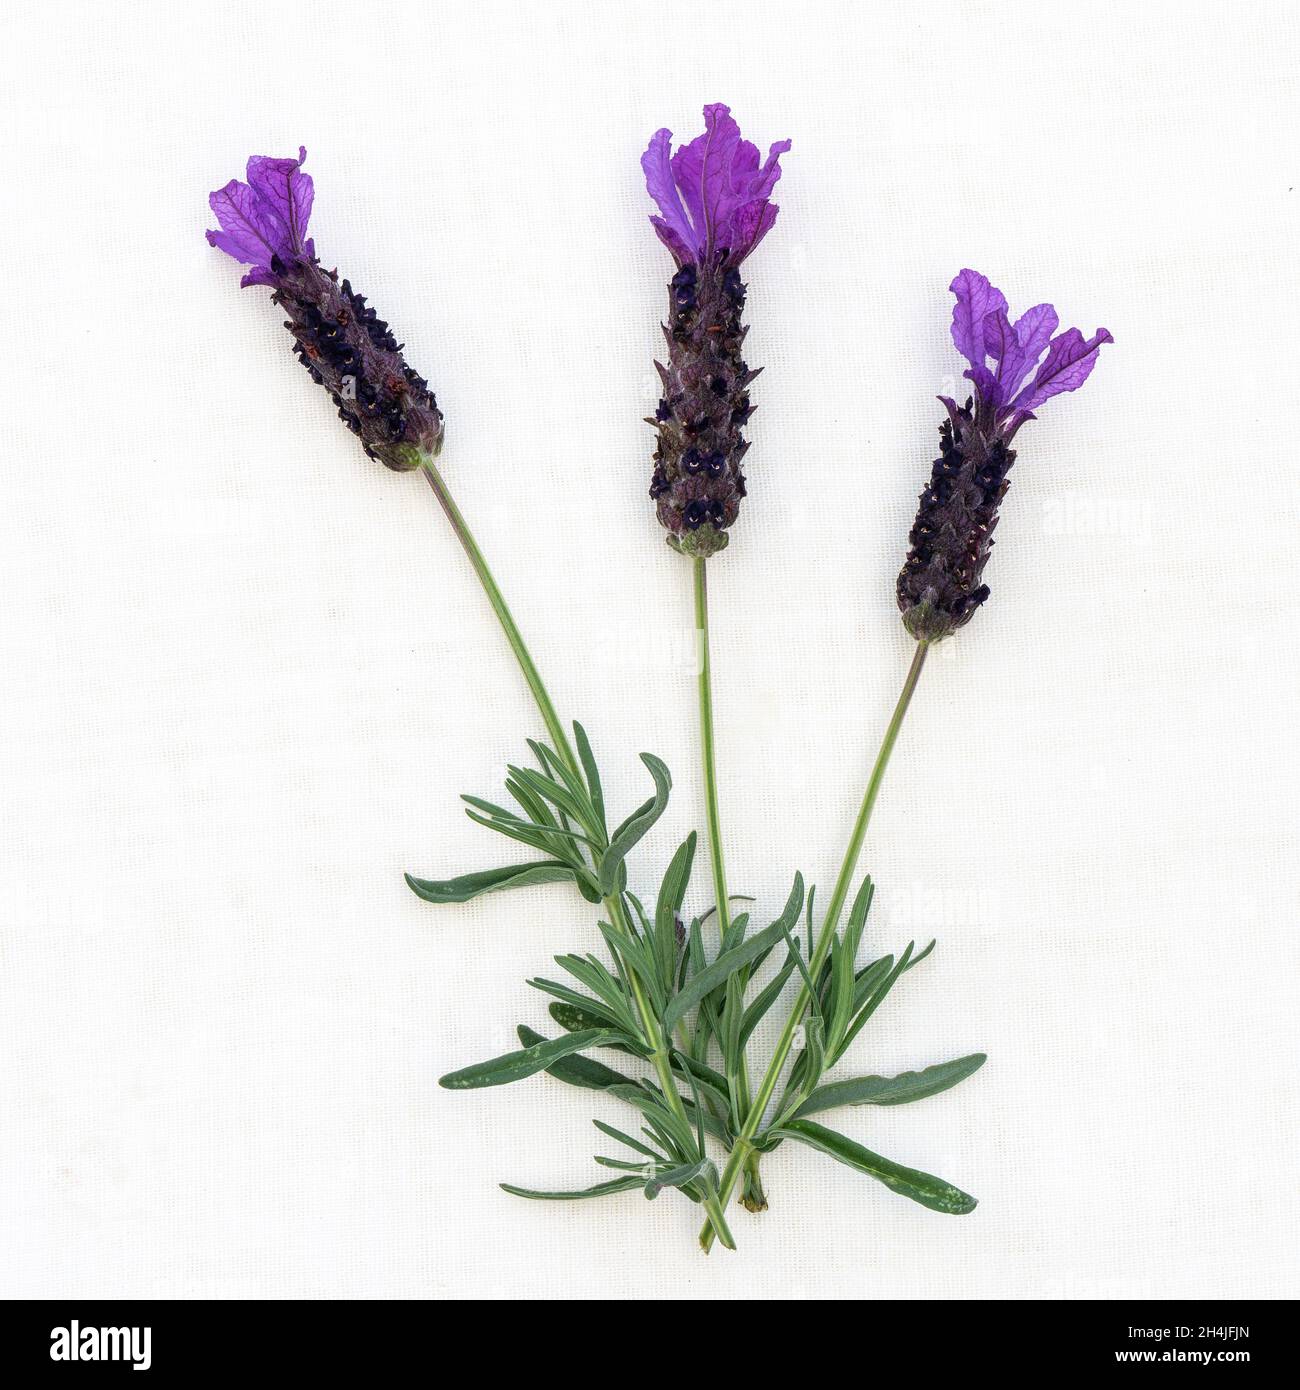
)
(659, 1045)
(707, 746)
(755, 1199)
(508, 625)
(743, 1150)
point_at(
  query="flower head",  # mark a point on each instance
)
(344, 345)
(714, 199)
(714, 196)
(941, 586)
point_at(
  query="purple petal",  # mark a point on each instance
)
(674, 228)
(286, 194)
(246, 232)
(1013, 422)
(749, 226)
(752, 219)
(1032, 333)
(986, 384)
(259, 275)
(713, 193)
(681, 251)
(998, 334)
(976, 300)
(703, 173)
(1068, 364)
(764, 181)
(999, 344)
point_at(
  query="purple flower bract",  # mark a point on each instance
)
(983, 333)
(713, 194)
(266, 217)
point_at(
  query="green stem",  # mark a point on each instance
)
(743, 1149)
(707, 748)
(654, 1036)
(508, 625)
(754, 1197)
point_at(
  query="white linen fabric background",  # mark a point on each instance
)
(246, 672)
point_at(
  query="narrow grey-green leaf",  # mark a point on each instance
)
(591, 772)
(515, 1066)
(524, 833)
(637, 824)
(574, 1018)
(767, 997)
(715, 974)
(858, 919)
(880, 992)
(550, 790)
(576, 1071)
(672, 893)
(892, 1090)
(921, 1187)
(634, 1144)
(677, 1176)
(601, 1189)
(467, 886)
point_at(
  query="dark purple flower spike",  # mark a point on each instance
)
(941, 586)
(340, 340)
(714, 199)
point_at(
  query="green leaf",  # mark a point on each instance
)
(550, 790)
(591, 772)
(601, 1189)
(714, 975)
(634, 1144)
(576, 1071)
(892, 1090)
(880, 992)
(532, 836)
(672, 893)
(590, 890)
(668, 1126)
(556, 767)
(700, 1073)
(792, 947)
(924, 1188)
(733, 937)
(705, 981)
(636, 825)
(839, 1002)
(496, 817)
(677, 1176)
(574, 1018)
(814, 1049)
(635, 954)
(858, 919)
(514, 1066)
(589, 971)
(767, 997)
(467, 886)
(695, 959)
(868, 978)
(534, 806)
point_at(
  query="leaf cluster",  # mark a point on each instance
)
(663, 996)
